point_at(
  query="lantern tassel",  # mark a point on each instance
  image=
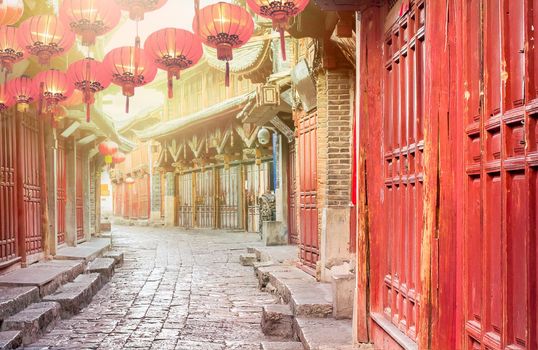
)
(170, 85)
(40, 103)
(227, 77)
(88, 114)
(127, 105)
(282, 44)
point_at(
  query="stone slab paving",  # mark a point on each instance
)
(183, 290)
(84, 251)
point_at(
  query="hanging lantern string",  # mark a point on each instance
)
(197, 14)
(282, 43)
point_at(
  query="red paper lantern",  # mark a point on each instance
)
(22, 92)
(10, 50)
(76, 99)
(45, 37)
(11, 11)
(173, 50)
(118, 157)
(137, 8)
(90, 77)
(53, 88)
(90, 18)
(225, 27)
(280, 12)
(108, 149)
(129, 70)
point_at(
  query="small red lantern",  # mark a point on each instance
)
(127, 71)
(137, 8)
(173, 50)
(118, 157)
(53, 88)
(22, 92)
(90, 18)
(10, 50)
(90, 77)
(11, 11)
(280, 12)
(225, 27)
(45, 37)
(108, 149)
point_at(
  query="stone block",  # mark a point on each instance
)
(116, 255)
(247, 259)
(74, 296)
(10, 340)
(277, 320)
(274, 233)
(343, 287)
(314, 334)
(33, 321)
(103, 266)
(311, 300)
(15, 299)
(281, 346)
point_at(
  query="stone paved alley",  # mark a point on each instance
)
(177, 289)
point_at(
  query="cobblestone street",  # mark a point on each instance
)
(181, 290)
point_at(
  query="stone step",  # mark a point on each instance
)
(311, 299)
(75, 295)
(104, 266)
(15, 299)
(10, 340)
(281, 346)
(314, 334)
(263, 272)
(247, 259)
(46, 275)
(116, 255)
(284, 280)
(277, 320)
(33, 321)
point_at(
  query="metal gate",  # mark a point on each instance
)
(501, 146)
(292, 197)
(31, 184)
(205, 198)
(185, 200)
(80, 197)
(258, 183)
(61, 193)
(8, 198)
(143, 197)
(229, 198)
(308, 190)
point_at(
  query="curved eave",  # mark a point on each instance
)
(218, 111)
(247, 59)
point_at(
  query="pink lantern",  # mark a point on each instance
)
(90, 77)
(129, 70)
(45, 37)
(22, 92)
(53, 88)
(10, 50)
(225, 27)
(11, 11)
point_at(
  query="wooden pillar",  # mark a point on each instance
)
(21, 220)
(71, 180)
(51, 142)
(194, 200)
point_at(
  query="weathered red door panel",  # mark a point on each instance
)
(61, 195)
(8, 195)
(309, 245)
(31, 184)
(79, 198)
(143, 197)
(292, 197)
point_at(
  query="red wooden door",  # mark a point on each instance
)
(61, 195)
(308, 190)
(79, 200)
(229, 198)
(8, 198)
(292, 197)
(396, 255)
(31, 184)
(501, 159)
(134, 198)
(185, 203)
(205, 196)
(143, 197)
(127, 192)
